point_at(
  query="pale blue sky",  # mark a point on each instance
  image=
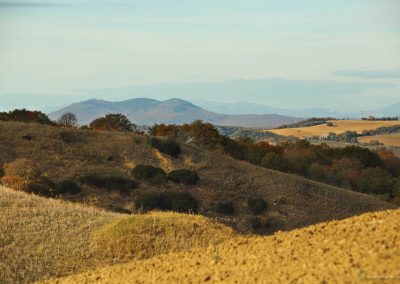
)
(51, 50)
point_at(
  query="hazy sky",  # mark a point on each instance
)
(52, 50)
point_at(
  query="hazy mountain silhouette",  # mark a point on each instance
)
(148, 111)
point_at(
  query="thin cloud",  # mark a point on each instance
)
(29, 4)
(376, 74)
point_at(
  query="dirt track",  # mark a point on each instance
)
(349, 251)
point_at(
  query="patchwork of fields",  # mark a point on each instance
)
(340, 126)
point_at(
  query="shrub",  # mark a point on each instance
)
(113, 122)
(41, 186)
(274, 161)
(67, 186)
(167, 201)
(109, 182)
(151, 174)
(1, 172)
(24, 115)
(27, 137)
(376, 181)
(258, 223)
(71, 136)
(168, 146)
(257, 205)
(184, 176)
(225, 207)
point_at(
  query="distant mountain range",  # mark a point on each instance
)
(148, 111)
(245, 107)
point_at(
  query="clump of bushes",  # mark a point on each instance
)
(258, 223)
(27, 137)
(168, 146)
(24, 115)
(167, 201)
(41, 186)
(71, 136)
(151, 174)
(109, 182)
(113, 122)
(257, 205)
(225, 207)
(1, 172)
(67, 186)
(184, 176)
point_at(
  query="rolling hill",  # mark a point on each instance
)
(386, 139)
(176, 111)
(354, 250)
(70, 154)
(42, 238)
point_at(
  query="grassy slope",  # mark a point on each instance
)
(347, 251)
(341, 126)
(42, 238)
(293, 201)
(389, 139)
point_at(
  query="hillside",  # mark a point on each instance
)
(42, 238)
(147, 112)
(362, 248)
(340, 126)
(388, 139)
(68, 154)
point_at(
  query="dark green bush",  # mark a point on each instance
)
(27, 137)
(151, 174)
(109, 182)
(71, 136)
(167, 201)
(259, 223)
(169, 146)
(67, 186)
(184, 176)
(2, 173)
(225, 207)
(41, 186)
(257, 205)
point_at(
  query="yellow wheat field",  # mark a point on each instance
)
(340, 126)
(389, 139)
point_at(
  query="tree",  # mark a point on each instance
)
(376, 180)
(68, 119)
(24, 115)
(113, 122)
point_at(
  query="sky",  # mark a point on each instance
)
(331, 53)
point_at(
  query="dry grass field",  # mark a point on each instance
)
(389, 139)
(340, 126)
(365, 248)
(42, 238)
(292, 201)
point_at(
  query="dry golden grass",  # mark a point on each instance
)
(341, 126)
(145, 236)
(355, 250)
(42, 238)
(389, 139)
